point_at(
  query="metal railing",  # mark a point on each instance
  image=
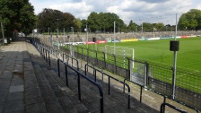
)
(78, 80)
(109, 77)
(157, 77)
(45, 53)
(68, 58)
(162, 108)
(163, 89)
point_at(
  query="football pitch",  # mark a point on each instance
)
(188, 56)
(158, 52)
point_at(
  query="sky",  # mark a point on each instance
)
(152, 11)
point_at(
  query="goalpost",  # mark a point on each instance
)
(120, 51)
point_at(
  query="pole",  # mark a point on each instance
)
(57, 27)
(73, 41)
(64, 31)
(87, 36)
(72, 28)
(174, 66)
(142, 27)
(114, 38)
(2, 31)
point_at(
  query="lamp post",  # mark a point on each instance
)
(174, 63)
(87, 35)
(57, 27)
(114, 37)
(72, 29)
(142, 27)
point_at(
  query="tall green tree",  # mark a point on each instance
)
(132, 26)
(94, 21)
(104, 22)
(78, 24)
(83, 25)
(53, 20)
(190, 20)
(147, 27)
(17, 15)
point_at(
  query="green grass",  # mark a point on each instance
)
(188, 56)
(157, 52)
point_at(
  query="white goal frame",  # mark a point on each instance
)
(123, 49)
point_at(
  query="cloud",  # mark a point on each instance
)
(199, 7)
(141, 11)
(137, 10)
(78, 9)
(154, 1)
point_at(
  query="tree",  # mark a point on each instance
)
(104, 22)
(190, 20)
(94, 21)
(54, 20)
(183, 22)
(78, 24)
(17, 15)
(147, 27)
(83, 25)
(132, 26)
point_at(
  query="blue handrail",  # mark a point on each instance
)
(125, 84)
(87, 78)
(162, 108)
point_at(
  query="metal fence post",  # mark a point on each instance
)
(96, 57)
(49, 58)
(87, 56)
(129, 68)
(82, 54)
(115, 63)
(78, 82)
(66, 73)
(58, 66)
(104, 60)
(147, 73)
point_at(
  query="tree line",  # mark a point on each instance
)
(50, 20)
(18, 16)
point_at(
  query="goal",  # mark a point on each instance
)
(118, 51)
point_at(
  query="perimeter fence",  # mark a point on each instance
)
(155, 77)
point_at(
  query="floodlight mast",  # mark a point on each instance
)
(87, 36)
(72, 45)
(114, 38)
(72, 29)
(57, 27)
(174, 66)
(142, 28)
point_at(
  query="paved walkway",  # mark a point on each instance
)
(12, 59)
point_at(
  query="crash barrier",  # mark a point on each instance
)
(95, 70)
(79, 74)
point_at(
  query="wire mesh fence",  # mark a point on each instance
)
(156, 77)
(188, 85)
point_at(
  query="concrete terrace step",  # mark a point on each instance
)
(33, 99)
(55, 96)
(67, 99)
(48, 96)
(114, 103)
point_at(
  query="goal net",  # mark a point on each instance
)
(123, 52)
